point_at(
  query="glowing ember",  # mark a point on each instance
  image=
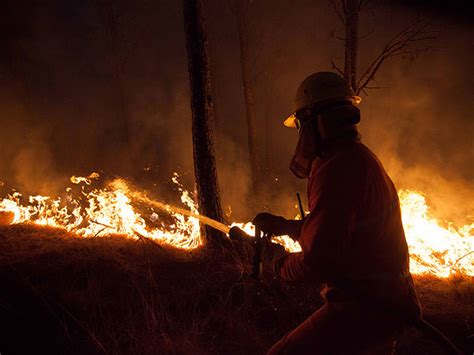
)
(107, 211)
(289, 244)
(434, 248)
(87, 180)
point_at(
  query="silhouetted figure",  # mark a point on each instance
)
(353, 240)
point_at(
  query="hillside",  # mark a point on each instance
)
(67, 294)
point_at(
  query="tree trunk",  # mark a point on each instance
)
(120, 132)
(249, 99)
(351, 11)
(269, 121)
(202, 115)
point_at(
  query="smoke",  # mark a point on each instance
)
(61, 113)
(420, 125)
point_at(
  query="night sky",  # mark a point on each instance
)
(61, 112)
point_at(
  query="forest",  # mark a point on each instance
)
(136, 136)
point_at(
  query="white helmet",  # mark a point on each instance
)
(321, 88)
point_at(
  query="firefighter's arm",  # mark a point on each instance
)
(326, 233)
(292, 228)
(277, 225)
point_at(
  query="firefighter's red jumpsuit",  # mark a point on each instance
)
(353, 242)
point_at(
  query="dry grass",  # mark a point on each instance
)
(66, 294)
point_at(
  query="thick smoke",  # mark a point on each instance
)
(63, 75)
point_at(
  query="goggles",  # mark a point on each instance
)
(303, 116)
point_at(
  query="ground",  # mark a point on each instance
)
(66, 294)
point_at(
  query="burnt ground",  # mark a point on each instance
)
(66, 294)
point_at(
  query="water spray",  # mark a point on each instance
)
(165, 207)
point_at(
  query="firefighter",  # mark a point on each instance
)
(352, 241)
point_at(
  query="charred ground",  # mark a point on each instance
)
(67, 294)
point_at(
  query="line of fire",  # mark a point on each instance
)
(236, 177)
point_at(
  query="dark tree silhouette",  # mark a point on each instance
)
(249, 15)
(109, 13)
(351, 12)
(202, 115)
(412, 40)
(241, 8)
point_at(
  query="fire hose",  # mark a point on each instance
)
(421, 324)
(260, 237)
(257, 264)
(436, 335)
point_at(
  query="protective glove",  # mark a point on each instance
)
(237, 234)
(270, 224)
(272, 254)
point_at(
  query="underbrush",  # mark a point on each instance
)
(67, 294)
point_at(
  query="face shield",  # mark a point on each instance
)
(308, 145)
(336, 123)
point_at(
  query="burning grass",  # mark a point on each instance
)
(436, 247)
(62, 293)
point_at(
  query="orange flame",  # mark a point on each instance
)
(435, 249)
(108, 211)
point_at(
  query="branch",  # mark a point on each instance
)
(344, 8)
(334, 33)
(371, 32)
(265, 35)
(402, 43)
(232, 6)
(106, 226)
(362, 5)
(258, 75)
(376, 87)
(334, 66)
(338, 11)
(146, 239)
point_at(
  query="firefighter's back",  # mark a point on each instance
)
(378, 246)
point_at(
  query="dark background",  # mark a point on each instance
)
(59, 100)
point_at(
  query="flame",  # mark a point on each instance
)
(289, 244)
(107, 211)
(88, 180)
(435, 248)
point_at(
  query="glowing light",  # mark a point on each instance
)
(289, 244)
(87, 180)
(106, 211)
(435, 248)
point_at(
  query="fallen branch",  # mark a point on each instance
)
(101, 224)
(145, 239)
(462, 257)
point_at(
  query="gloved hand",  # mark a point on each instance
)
(270, 224)
(272, 254)
(237, 234)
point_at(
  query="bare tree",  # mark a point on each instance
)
(351, 11)
(109, 14)
(250, 48)
(202, 115)
(411, 40)
(241, 8)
